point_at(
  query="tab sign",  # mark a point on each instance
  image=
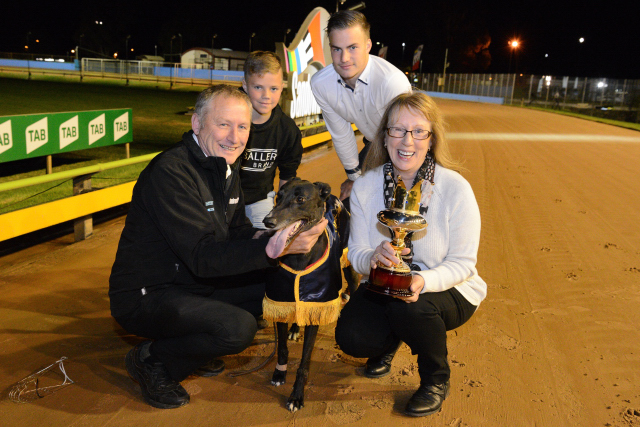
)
(37, 134)
(6, 137)
(69, 132)
(97, 129)
(121, 126)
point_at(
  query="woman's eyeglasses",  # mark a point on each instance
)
(416, 133)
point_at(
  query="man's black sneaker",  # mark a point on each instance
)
(211, 369)
(158, 389)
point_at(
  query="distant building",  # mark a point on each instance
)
(150, 58)
(221, 59)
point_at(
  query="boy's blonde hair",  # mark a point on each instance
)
(260, 62)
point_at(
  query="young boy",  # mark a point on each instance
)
(275, 140)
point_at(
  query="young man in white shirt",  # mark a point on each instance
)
(356, 89)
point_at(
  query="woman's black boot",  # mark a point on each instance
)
(377, 367)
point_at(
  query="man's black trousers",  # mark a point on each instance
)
(193, 325)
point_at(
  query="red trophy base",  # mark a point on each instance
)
(388, 282)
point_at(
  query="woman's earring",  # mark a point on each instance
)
(384, 144)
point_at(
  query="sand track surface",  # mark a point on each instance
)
(556, 342)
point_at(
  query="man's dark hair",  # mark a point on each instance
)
(346, 19)
(207, 96)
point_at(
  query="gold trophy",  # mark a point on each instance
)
(402, 218)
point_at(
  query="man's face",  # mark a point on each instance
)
(264, 91)
(350, 52)
(224, 130)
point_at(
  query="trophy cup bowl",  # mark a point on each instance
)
(401, 218)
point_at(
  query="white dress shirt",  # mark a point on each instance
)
(363, 105)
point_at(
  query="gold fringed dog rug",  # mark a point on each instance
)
(311, 296)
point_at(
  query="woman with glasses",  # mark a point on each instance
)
(446, 288)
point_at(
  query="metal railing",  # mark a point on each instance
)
(618, 99)
(493, 85)
(535, 88)
(73, 173)
(190, 73)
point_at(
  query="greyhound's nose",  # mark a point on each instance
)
(269, 222)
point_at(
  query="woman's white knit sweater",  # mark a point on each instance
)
(446, 251)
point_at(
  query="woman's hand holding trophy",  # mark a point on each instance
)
(389, 274)
(385, 254)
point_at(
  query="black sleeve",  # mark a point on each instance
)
(290, 154)
(176, 207)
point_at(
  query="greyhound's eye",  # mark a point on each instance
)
(300, 199)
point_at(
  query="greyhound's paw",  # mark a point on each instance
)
(279, 377)
(294, 332)
(293, 404)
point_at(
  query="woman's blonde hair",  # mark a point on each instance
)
(419, 103)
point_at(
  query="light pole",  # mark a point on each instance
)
(78, 47)
(285, 35)
(358, 6)
(251, 38)
(403, 53)
(338, 3)
(213, 39)
(514, 45)
(126, 63)
(444, 70)
(171, 45)
(581, 53)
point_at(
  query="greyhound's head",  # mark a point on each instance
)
(300, 202)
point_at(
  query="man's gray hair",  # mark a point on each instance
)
(210, 94)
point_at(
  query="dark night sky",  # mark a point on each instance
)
(611, 30)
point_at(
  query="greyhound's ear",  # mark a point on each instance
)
(325, 189)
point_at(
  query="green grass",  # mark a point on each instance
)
(158, 122)
(627, 125)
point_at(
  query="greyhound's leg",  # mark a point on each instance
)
(294, 332)
(296, 400)
(280, 373)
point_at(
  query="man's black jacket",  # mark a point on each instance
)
(186, 223)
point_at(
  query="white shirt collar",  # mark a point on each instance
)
(364, 77)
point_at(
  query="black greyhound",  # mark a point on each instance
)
(306, 289)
